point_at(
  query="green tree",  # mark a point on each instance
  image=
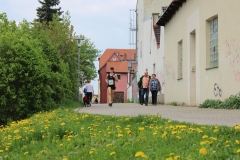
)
(88, 54)
(33, 77)
(62, 37)
(46, 11)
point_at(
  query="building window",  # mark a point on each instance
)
(214, 43)
(119, 77)
(180, 60)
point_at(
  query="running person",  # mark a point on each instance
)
(111, 78)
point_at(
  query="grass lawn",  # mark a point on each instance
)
(63, 134)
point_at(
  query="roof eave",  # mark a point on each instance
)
(170, 11)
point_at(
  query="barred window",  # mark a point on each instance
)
(214, 43)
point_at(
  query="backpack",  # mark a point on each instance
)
(85, 90)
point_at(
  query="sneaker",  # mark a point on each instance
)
(110, 104)
(146, 105)
(141, 103)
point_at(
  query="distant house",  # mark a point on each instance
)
(123, 61)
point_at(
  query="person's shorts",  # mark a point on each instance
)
(113, 87)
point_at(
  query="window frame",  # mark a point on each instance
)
(119, 76)
(212, 32)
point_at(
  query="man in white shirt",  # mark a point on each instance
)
(90, 92)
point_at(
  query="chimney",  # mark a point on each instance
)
(125, 57)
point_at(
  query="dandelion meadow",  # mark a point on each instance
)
(63, 134)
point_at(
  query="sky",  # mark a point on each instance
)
(106, 23)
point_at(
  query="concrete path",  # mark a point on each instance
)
(179, 113)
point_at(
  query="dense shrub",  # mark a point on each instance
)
(32, 76)
(233, 102)
(209, 103)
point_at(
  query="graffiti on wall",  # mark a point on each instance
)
(170, 72)
(233, 52)
(233, 55)
(160, 77)
(217, 90)
(237, 75)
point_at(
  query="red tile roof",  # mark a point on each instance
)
(118, 66)
(109, 52)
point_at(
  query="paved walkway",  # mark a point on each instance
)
(180, 113)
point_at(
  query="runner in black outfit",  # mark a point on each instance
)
(111, 78)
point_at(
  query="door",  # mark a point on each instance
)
(118, 97)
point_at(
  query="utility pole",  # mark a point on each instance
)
(78, 71)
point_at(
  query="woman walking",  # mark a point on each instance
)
(154, 87)
(90, 92)
(111, 78)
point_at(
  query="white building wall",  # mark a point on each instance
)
(192, 18)
(148, 52)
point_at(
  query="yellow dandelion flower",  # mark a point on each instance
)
(213, 138)
(139, 153)
(1, 151)
(176, 157)
(141, 128)
(62, 124)
(37, 155)
(202, 143)
(191, 129)
(25, 153)
(169, 158)
(108, 145)
(91, 152)
(178, 137)
(173, 132)
(205, 136)
(112, 153)
(237, 141)
(203, 151)
(144, 156)
(61, 144)
(118, 126)
(171, 154)
(237, 127)
(169, 121)
(93, 149)
(16, 131)
(120, 135)
(199, 130)
(64, 158)
(238, 151)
